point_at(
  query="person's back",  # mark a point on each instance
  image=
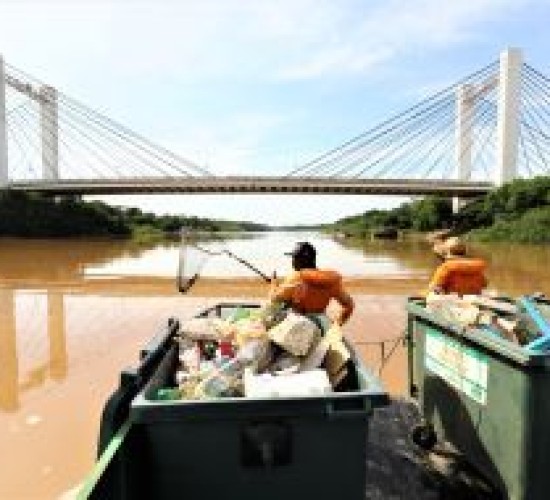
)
(461, 275)
(458, 273)
(309, 290)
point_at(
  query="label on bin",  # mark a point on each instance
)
(463, 368)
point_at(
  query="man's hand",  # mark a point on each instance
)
(273, 284)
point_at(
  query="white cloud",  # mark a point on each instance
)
(233, 39)
(343, 60)
(376, 35)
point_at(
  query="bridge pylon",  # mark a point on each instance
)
(508, 81)
(49, 133)
(511, 61)
(3, 127)
(465, 110)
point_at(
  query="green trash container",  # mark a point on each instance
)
(244, 448)
(487, 397)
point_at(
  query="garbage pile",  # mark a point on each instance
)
(524, 322)
(264, 352)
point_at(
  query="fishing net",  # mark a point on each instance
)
(196, 250)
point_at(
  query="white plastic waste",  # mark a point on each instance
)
(265, 385)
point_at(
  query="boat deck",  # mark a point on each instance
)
(397, 469)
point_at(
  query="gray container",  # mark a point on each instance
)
(243, 448)
(487, 397)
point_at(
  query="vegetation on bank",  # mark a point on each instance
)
(518, 212)
(32, 215)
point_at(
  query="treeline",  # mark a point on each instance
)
(518, 211)
(33, 215)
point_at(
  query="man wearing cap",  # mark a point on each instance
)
(308, 290)
(458, 273)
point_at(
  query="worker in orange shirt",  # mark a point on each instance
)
(458, 273)
(308, 290)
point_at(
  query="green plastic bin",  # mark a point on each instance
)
(243, 448)
(485, 396)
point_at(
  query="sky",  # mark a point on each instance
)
(257, 86)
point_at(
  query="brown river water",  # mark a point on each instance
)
(73, 313)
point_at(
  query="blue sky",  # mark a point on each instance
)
(258, 87)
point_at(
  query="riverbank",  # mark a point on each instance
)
(32, 215)
(518, 212)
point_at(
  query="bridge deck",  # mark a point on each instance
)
(244, 184)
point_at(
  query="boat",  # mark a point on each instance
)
(385, 233)
(246, 448)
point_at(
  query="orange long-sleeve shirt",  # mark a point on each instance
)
(460, 275)
(310, 291)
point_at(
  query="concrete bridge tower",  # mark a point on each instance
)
(3, 128)
(46, 97)
(49, 133)
(465, 106)
(506, 168)
(508, 109)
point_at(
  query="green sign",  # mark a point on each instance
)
(462, 367)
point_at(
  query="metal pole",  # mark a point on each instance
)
(49, 130)
(463, 137)
(508, 115)
(4, 174)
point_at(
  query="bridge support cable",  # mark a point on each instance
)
(65, 120)
(4, 174)
(390, 147)
(427, 141)
(535, 119)
(523, 149)
(18, 123)
(466, 123)
(351, 152)
(384, 144)
(401, 143)
(485, 133)
(535, 140)
(142, 160)
(435, 146)
(534, 126)
(464, 140)
(67, 148)
(21, 151)
(76, 151)
(181, 165)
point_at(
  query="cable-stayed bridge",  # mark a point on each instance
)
(488, 128)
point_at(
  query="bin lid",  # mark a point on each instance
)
(478, 338)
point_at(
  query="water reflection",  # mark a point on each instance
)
(9, 400)
(61, 259)
(54, 367)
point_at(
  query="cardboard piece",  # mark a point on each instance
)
(295, 334)
(336, 358)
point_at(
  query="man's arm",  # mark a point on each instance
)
(438, 283)
(347, 306)
(282, 292)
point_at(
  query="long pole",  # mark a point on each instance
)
(248, 264)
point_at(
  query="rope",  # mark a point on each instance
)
(385, 358)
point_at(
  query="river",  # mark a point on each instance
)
(73, 313)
